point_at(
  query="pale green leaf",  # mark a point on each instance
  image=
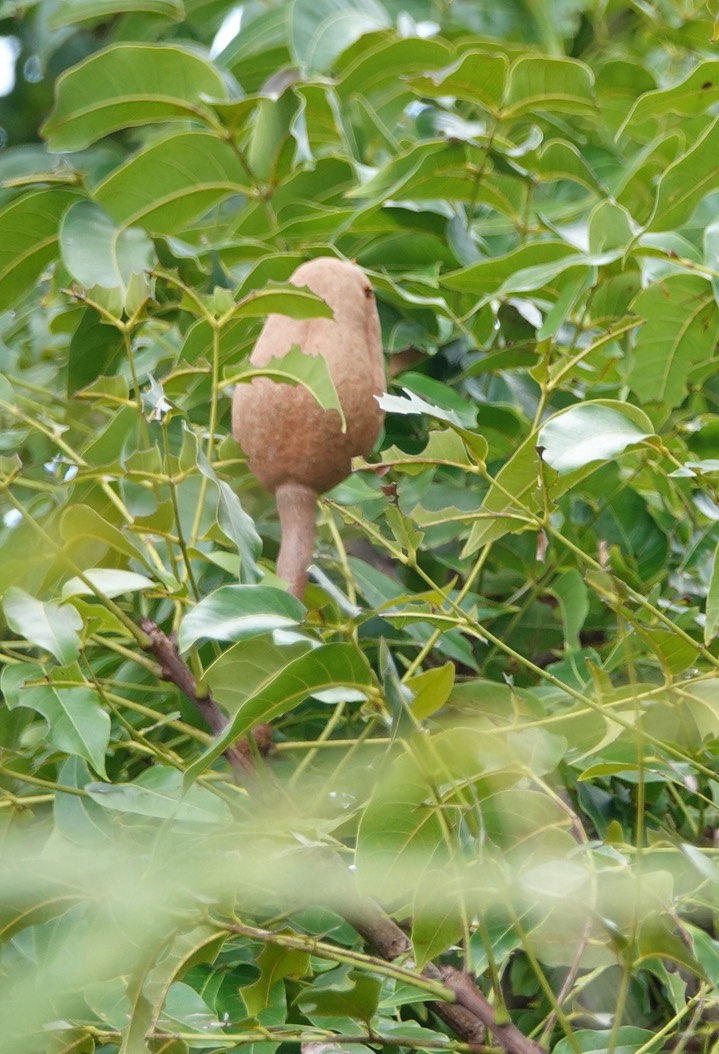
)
(235, 612)
(54, 627)
(590, 432)
(110, 581)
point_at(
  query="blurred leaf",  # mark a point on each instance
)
(95, 252)
(111, 582)
(71, 12)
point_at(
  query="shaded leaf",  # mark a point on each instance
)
(127, 85)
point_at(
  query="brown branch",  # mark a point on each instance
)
(175, 669)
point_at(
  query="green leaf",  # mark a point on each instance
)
(329, 666)
(128, 85)
(430, 690)
(686, 182)
(110, 581)
(54, 627)
(695, 94)
(159, 792)
(551, 84)
(681, 331)
(400, 830)
(28, 239)
(711, 625)
(96, 252)
(282, 299)
(478, 77)
(512, 501)
(81, 522)
(236, 612)
(485, 278)
(321, 30)
(169, 184)
(591, 432)
(275, 963)
(72, 12)
(76, 723)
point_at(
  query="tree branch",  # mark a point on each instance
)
(175, 669)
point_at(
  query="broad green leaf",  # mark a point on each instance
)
(76, 722)
(436, 921)
(321, 30)
(340, 997)
(29, 228)
(552, 84)
(237, 612)
(159, 792)
(169, 184)
(329, 666)
(478, 77)
(571, 592)
(72, 12)
(54, 627)
(96, 252)
(695, 94)
(110, 581)
(680, 332)
(590, 432)
(127, 85)
(686, 182)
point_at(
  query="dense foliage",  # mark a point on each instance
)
(499, 703)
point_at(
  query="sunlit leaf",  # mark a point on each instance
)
(51, 626)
